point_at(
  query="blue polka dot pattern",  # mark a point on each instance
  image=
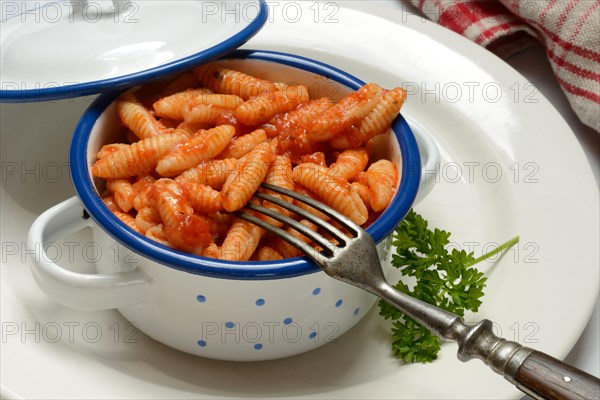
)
(356, 311)
(260, 302)
(316, 291)
(258, 346)
(201, 298)
(339, 303)
(229, 325)
(287, 321)
(201, 343)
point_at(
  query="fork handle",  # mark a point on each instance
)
(545, 377)
(532, 372)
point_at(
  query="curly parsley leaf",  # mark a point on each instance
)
(444, 278)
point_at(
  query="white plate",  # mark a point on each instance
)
(541, 293)
(62, 49)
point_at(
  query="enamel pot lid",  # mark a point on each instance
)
(54, 50)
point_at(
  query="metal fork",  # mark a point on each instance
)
(354, 259)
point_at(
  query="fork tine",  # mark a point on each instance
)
(336, 215)
(332, 230)
(314, 236)
(308, 250)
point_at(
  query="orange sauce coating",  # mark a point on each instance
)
(184, 174)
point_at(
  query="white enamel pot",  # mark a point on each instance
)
(207, 307)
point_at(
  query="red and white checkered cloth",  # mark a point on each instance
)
(569, 30)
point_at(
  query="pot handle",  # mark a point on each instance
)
(76, 290)
(430, 161)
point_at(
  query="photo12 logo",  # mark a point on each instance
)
(483, 172)
(470, 92)
(526, 252)
(70, 332)
(69, 252)
(277, 11)
(52, 12)
(34, 172)
(256, 333)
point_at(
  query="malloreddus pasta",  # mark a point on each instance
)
(198, 148)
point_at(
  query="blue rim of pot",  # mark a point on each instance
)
(287, 268)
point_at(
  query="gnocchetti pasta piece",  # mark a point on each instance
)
(109, 201)
(136, 117)
(202, 198)
(127, 219)
(348, 111)
(242, 145)
(139, 158)
(318, 157)
(273, 145)
(280, 174)
(170, 201)
(333, 190)
(267, 253)
(108, 149)
(189, 128)
(203, 146)
(261, 108)
(383, 178)
(291, 127)
(223, 80)
(212, 251)
(123, 193)
(305, 192)
(241, 241)
(302, 116)
(377, 122)
(219, 223)
(381, 117)
(146, 218)
(287, 250)
(363, 191)
(159, 235)
(349, 163)
(184, 230)
(141, 192)
(172, 106)
(361, 178)
(211, 173)
(207, 109)
(247, 177)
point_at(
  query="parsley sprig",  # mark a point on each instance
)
(442, 277)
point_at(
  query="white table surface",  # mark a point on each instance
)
(533, 65)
